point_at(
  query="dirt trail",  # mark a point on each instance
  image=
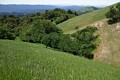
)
(108, 50)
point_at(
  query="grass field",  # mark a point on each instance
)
(28, 61)
(83, 20)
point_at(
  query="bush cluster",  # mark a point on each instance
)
(81, 43)
(41, 28)
(114, 14)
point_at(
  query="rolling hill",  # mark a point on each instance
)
(86, 10)
(83, 20)
(28, 61)
(108, 49)
(33, 61)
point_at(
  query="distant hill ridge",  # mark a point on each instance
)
(86, 10)
(20, 8)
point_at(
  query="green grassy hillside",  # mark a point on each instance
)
(83, 20)
(108, 49)
(86, 10)
(28, 61)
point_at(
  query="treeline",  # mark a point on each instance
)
(114, 13)
(41, 28)
(20, 26)
(56, 15)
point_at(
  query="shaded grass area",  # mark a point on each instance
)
(28, 61)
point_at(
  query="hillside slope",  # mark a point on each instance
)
(86, 10)
(28, 61)
(108, 50)
(83, 20)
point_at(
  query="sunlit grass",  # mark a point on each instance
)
(28, 61)
(83, 20)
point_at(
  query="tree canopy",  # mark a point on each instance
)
(114, 14)
(41, 28)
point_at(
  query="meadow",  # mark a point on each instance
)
(29, 61)
(83, 20)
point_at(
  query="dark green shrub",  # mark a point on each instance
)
(113, 14)
(37, 29)
(51, 40)
(6, 33)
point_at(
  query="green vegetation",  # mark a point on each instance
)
(8, 25)
(81, 43)
(86, 10)
(28, 61)
(109, 40)
(114, 13)
(83, 20)
(58, 15)
(41, 28)
(6, 33)
(85, 41)
(35, 31)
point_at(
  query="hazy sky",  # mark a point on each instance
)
(61, 2)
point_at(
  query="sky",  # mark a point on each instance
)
(62, 2)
